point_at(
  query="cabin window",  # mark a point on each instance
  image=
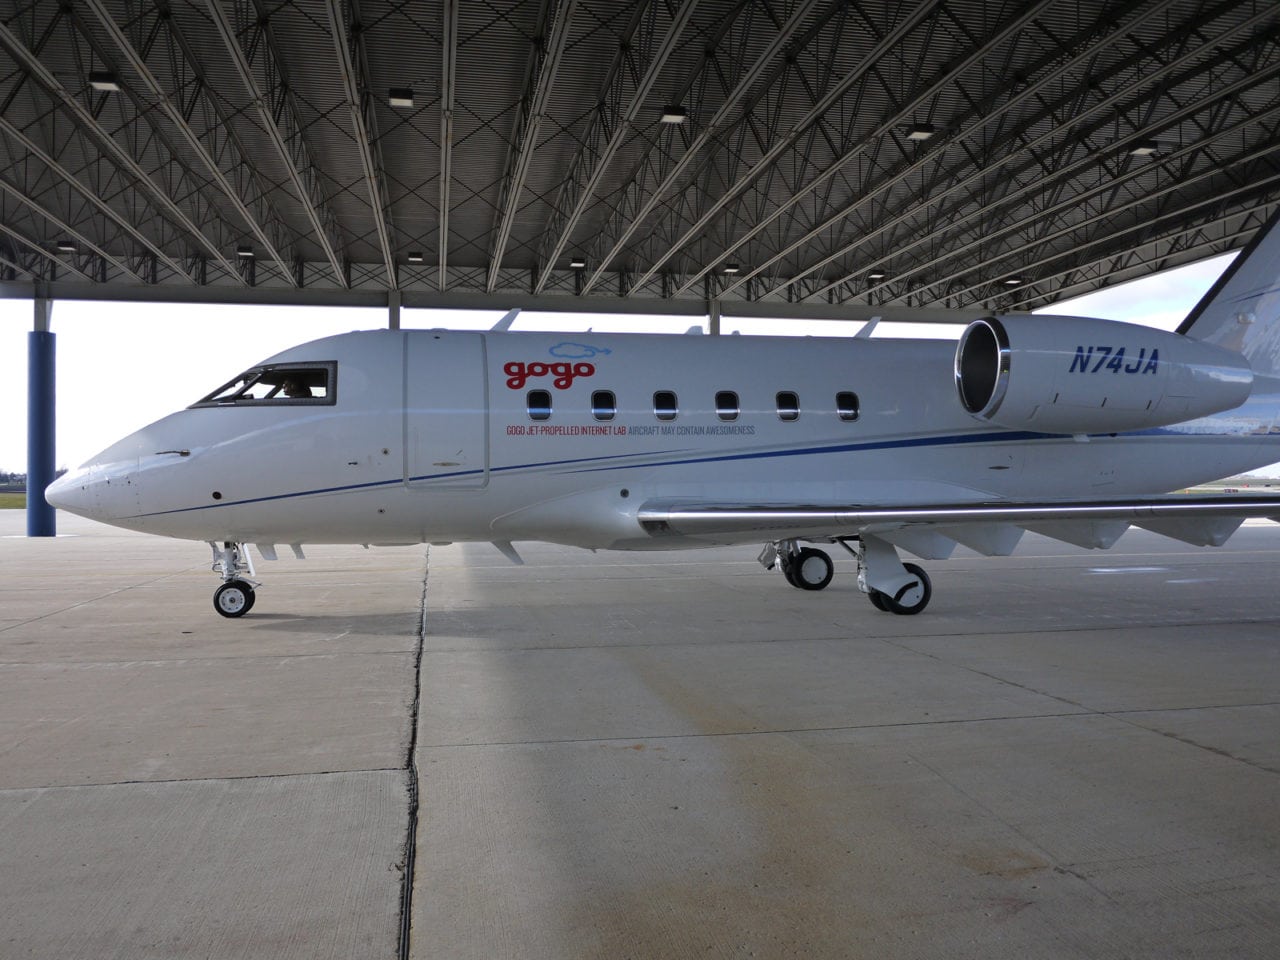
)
(847, 405)
(727, 407)
(604, 406)
(788, 405)
(278, 384)
(664, 405)
(539, 404)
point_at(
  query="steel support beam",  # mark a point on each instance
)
(526, 135)
(448, 90)
(501, 301)
(41, 423)
(355, 83)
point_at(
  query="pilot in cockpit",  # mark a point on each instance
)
(296, 389)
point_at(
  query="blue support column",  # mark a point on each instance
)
(41, 454)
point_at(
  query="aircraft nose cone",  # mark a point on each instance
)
(71, 492)
(98, 491)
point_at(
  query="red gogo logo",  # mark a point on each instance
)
(518, 373)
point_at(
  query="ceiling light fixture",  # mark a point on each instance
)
(65, 246)
(920, 132)
(674, 113)
(416, 257)
(244, 253)
(103, 81)
(400, 97)
(731, 268)
(1144, 148)
(578, 263)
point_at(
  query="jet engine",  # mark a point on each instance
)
(1079, 375)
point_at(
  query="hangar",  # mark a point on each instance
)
(1089, 779)
(815, 158)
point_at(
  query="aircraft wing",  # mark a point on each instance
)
(991, 528)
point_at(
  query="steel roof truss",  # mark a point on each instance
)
(174, 174)
(217, 143)
(448, 89)
(542, 76)
(251, 40)
(782, 145)
(611, 125)
(349, 50)
(987, 171)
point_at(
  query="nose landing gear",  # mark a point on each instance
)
(235, 597)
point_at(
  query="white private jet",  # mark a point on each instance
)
(1072, 427)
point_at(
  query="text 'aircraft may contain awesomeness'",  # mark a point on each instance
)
(1071, 427)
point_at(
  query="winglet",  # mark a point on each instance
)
(508, 318)
(1242, 310)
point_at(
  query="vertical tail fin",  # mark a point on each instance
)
(1242, 310)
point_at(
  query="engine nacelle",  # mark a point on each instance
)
(1080, 375)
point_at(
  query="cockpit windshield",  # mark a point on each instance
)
(278, 384)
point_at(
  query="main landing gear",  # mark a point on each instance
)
(232, 561)
(890, 585)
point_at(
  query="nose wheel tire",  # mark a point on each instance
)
(809, 569)
(234, 598)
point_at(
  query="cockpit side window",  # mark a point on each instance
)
(278, 384)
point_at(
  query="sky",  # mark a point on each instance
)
(122, 366)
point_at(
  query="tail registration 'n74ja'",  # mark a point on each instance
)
(1112, 359)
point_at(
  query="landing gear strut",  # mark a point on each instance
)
(803, 567)
(236, 595)
(890, 584)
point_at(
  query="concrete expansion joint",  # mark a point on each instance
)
(411, 767)
(305, 774)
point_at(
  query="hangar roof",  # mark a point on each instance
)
(777, 155)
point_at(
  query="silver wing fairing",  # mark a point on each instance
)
(991, 528)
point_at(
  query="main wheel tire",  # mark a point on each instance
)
(233, 599)
(788, 567)
(812, 569)
(877, 599)
(903, 606)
